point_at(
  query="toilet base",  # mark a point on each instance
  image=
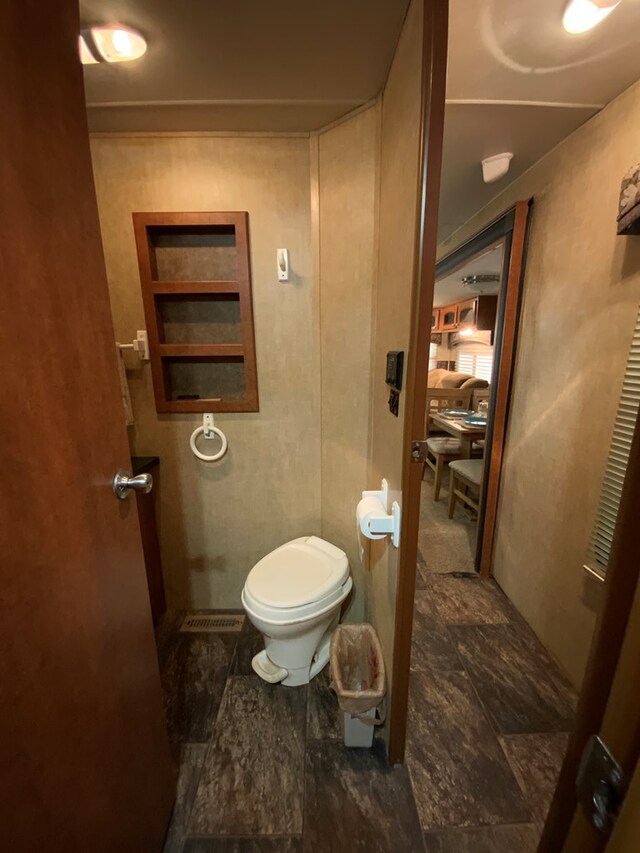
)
(266, 669)
(297, 677)
(272, 672)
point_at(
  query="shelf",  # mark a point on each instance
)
(196, 288)
(199, 318)
(248, 404)
(194, 250)
(207, 381)
(201, 350)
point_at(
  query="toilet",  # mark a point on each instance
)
(293, 597)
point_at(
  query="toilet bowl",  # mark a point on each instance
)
(293, 597)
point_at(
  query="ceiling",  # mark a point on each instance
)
(516, 81)
(450, 289)
(279, 65)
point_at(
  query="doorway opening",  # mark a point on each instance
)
(471, 351)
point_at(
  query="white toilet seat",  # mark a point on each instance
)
(298, 573)
(294, 615)
(299, 580)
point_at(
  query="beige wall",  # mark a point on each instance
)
(347, 158)
(392, 307)
(299, 465)
(217, 520)
(581, 294)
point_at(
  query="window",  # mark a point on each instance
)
(465, 363)
(433, 356)
(615, 472)
(484, 367)
(479, 365)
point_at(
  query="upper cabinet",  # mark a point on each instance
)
(467, 314)
(196, 290)
(449, 318)
(477, 314)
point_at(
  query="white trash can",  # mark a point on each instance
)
(358, 678)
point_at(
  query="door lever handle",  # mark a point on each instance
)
(122, 483)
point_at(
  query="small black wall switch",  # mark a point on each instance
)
(395, 365)
(393, 378)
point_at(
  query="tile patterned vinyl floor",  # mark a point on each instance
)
(262, 768)
(489, 718)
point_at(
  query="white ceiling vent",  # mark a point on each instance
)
(496, 167)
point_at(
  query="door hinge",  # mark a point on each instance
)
(600, 784)
(418, 451)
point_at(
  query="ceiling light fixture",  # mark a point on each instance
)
(110, 44)
(583, 15)
(477, 282)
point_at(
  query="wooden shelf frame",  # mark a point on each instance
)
(162, 354)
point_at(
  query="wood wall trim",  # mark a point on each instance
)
(502, 390)
(195, 134)
(434, 66)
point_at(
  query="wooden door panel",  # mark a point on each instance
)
(84, 762)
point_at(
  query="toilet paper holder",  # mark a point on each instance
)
(384, 523)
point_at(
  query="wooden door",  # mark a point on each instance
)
(434, 72)
(610, 698)
(84, 756)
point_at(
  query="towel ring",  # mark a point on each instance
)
(208, 430)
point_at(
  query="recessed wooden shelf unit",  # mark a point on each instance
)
(196, 288)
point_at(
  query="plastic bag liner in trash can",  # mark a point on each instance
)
(358, 678)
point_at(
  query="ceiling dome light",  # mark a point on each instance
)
(86, 57)
(583, 15)
(111, 44)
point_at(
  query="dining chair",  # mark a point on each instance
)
(478, 395)
(465, 474)
(440, 450)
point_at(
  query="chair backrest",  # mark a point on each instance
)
(445, 398)
(479, 394)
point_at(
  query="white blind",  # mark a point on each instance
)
(478, 365)
(465, 363)
(433, 356)
(626, 419)
(484, 367)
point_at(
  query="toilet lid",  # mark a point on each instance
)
(297, 573)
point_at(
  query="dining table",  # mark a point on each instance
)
(456, 427)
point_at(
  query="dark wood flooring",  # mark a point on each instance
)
(262, 768)
(488, 722)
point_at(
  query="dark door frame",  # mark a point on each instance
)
(434, 73)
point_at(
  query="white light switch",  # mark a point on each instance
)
(283, 265)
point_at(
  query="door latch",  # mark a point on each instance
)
(418, 451)
(600, 784)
